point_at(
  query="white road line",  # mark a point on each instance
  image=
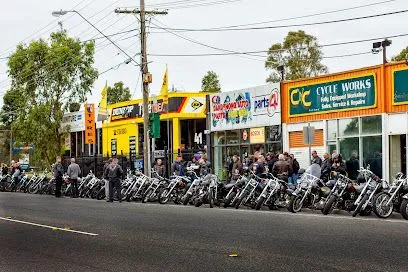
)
(48, 227)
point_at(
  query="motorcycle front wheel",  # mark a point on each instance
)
(404, 209)
(240, 199)
(162, 196)
(229, 199)
(379, 204)
(211, 199)
(329, 206)
(295, 204)
(259, 202)
(186, 199)
(360, 205)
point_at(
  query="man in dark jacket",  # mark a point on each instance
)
(259, 167)
(58, 171)
(316, 159)
(353, 166)
(114, 174)
(281, 169)
(338, 165)
(159, 168)
(204, 169)
(295, 168)
(106, 179)
(236, 168)
(326, 167)
(177, 167)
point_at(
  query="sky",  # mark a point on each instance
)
(25, 20)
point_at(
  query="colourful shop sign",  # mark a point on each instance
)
(252, 107)
(400, 87)
(333, 96)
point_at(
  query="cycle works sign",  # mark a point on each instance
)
(400, 87)
(340, 95)
(252, 107)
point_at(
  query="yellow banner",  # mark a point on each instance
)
(165, 87)
(257, 135)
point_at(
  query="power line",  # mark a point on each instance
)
(307, 16)
(285, 26)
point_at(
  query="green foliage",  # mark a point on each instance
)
(75, 106)
(403, 55)
(118, 93)
(299, 54)
(210, 83)
(49, 76)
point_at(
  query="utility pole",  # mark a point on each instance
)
(147, 79)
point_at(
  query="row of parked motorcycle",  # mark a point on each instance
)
(362, 197)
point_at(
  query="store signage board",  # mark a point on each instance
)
(90, 132)
(400, 87)
(246, 108)
(257, 135)
(333, 96)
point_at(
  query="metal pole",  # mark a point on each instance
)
(145, 71)
(310, 144)
(11, 145)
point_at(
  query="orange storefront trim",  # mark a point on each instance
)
(296, 139)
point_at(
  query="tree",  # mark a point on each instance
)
(75, 106)
(210, 83)
(300, 56)
(49, 75)
(403, 55)
(118, 93)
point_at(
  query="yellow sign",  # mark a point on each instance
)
(257, 135)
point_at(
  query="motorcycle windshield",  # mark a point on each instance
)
(314, 170)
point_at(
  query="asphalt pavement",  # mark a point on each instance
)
(43, 233)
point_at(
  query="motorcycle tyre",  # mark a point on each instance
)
(328, 207)
(244, 195)
(259, 202)
(375, 206)
(404, 209)
(360, 205)
(163, 200)
(229, 199)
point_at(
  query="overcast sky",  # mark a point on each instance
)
(24, 20)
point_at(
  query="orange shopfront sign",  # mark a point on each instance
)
(90, 124)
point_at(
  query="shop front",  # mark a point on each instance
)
(243, 122)
(360, 113)
(182, 127)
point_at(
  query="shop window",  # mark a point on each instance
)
(372, 154)
(371, 125)
(348, 146)
(219, 138)
(331, 130)
(349, 127)
(273, 134)
(274, 148)
(232, 137)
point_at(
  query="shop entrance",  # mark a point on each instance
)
(398, 154)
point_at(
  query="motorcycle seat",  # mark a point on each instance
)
(229, 186)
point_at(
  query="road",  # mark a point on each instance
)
(153, 237)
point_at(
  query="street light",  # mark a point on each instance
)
(64, 12)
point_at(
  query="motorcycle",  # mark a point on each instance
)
(385, 202)
(152, 192)
(248, 194)
(309, 193)
(192, 189)
(372, 186)
(234, 189)
(174, 190)
(275, 194)
(207, 191)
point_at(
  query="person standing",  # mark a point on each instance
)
(281, 168)
(177, 167)
(236, 171)
(316, 159)
(352, 166)
(58, 171)
(295, 168)
(106, 179)
(73, 172)
(114, 174)
(326, 167)
(159, 168)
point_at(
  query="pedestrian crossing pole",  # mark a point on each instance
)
(146, 76)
